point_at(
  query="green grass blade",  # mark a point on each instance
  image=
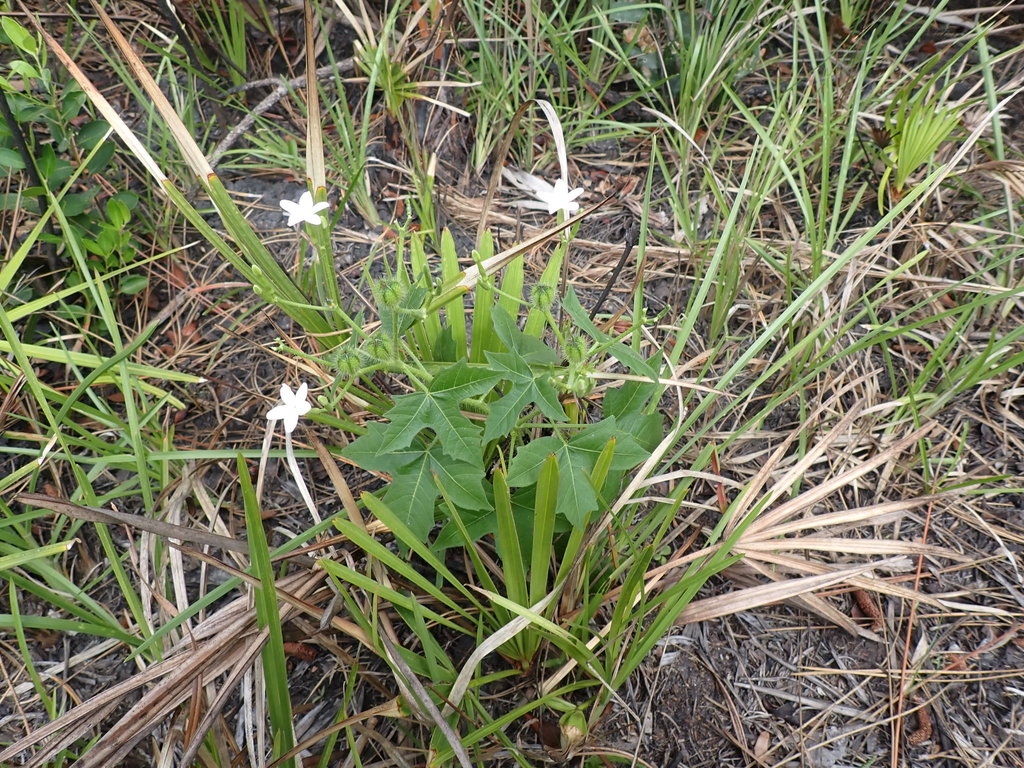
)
(506, 540)
(483, 338)
(18, 559)
(275, 670)
(374, 587)
(400, 565)
(26, 655)
(543, 528)
(512, 287)
(455, 310)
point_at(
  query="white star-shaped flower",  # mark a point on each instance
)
(561, 198)
(293, 405)
(546, 197)
(304, 210)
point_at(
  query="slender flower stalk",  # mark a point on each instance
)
(292, 407)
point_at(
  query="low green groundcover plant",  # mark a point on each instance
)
(511, 432)
(510, 427)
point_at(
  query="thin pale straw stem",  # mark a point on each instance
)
(293, 465)
(556, 132)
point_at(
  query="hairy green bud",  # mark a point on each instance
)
(575, 349)
(390, 292)
(579, 383)
(377, 348)
(347, 361)
(542, 297)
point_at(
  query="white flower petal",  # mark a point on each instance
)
(277, 412)
(291, 421)
(561, 199)
(532, 185)
(550, 198)
(299, 402)
(293, 211)
(293, 405)
(305, 210)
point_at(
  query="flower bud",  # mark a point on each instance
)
(542, 296)
(579, 383)
(573, 726)
(377, 348)
(390, 292)
(575, 349)
(347, 361)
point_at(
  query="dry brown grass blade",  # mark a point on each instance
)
(763, 540)
(872, 546)
(95, 710)
(342, 625)
(499, 163)
(77, 723)
(1008, 172)
(314, 131)
(156, 706)
(755, 486)
(810, 567)
(10, 398)
(224, 643)
(158, 527)
(769, 594)
(190, 150)
(832, 520)
(472, 274)
(765, 523)
(338, 481)
(201, 726)
(102, 105)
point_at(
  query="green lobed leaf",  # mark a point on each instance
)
(438, 409)
(365, 451)
(591, 441)
(463, 482)
(631, 397)
(461, 381)
(529, 348)
(576, 459)
(411, 495)
(412, 492)
(526, 388)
